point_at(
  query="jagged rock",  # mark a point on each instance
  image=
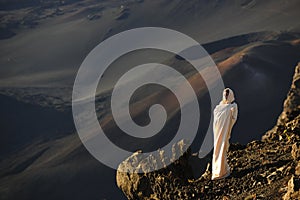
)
(292, 103)
(251, 197)
(288, 123)
(207, 174)
(138, 180)
(272, 177)
(293, 190)
(297, 169)
(296, 151)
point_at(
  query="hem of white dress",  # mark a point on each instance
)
(218, 178)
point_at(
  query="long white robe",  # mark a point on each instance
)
(225, 115)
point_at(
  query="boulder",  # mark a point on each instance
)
(138, 178)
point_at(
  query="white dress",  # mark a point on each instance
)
(225, 115)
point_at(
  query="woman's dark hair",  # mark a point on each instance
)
(226, 93)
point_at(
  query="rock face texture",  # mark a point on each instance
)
(293, 191)
(266, 169)
(161, 184)
(288, 122)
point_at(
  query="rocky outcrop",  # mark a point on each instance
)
(136, 179)
(288, 129)
(266, 169)
(288, 122)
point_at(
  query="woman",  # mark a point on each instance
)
(225, 115)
